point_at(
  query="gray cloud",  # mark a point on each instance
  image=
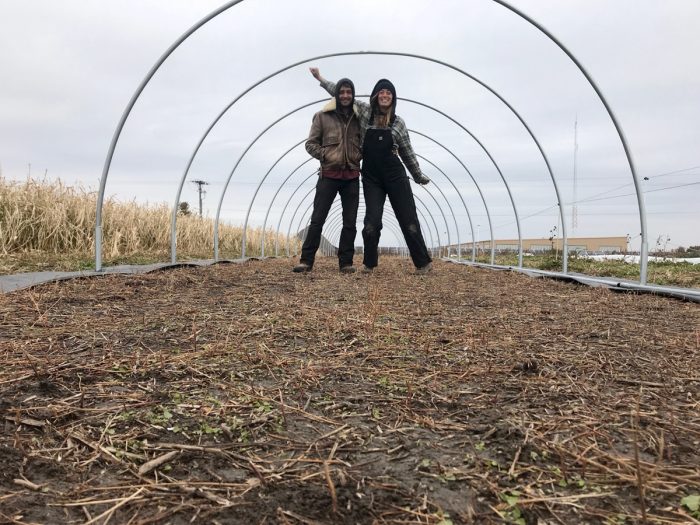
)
(70, 68)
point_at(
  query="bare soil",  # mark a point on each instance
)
(248, 394)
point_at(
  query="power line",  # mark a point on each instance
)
(666, 174)
(574, 208)
(672, 187)
(608, 198)
(528, 216)
(630, 194)
(674, 172)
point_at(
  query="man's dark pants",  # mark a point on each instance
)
(326, 190)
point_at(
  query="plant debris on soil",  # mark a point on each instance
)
(248, 394)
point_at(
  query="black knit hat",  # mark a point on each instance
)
(343, 82)
(374, 103)
(385, 84)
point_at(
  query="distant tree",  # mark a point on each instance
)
(552, 239)
(552, 235)
(184, 209)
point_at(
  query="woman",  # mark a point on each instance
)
(384, 139)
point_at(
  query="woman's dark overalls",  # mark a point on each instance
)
(382, 175)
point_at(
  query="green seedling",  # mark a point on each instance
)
(160, 418)
(215, 402)
(513, 513)
(448, 476)
(127, 416)
(205, 428)
(263, 406)
(692, 503)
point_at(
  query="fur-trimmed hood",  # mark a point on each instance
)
(332, 105)
(335, 103)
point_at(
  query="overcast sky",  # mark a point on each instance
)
(69, 68)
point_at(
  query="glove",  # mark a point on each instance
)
(421, 179)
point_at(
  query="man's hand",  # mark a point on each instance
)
(421, 179)
(316, 73)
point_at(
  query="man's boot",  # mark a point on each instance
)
(302, 268)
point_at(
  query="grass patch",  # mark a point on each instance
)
(662, 273)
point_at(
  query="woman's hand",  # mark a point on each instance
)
(421, 179)
(316, 73)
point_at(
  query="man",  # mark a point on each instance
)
(334, 139)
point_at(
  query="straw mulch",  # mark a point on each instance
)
(248, 394)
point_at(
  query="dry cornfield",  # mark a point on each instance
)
(50, 217)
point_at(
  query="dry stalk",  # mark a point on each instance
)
(109, 512)
(640, 475)
(156, 462)
(331, 486)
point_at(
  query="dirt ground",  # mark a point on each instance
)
(248, 394)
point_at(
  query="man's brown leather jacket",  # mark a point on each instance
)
(334, 140)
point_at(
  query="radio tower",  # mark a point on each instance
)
(200, 189)
(574, 208)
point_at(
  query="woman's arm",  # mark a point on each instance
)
(406, 152)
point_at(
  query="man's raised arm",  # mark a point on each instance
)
(325, 84)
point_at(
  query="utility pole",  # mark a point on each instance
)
(201, 191)
(574, 208)
(478, 242)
